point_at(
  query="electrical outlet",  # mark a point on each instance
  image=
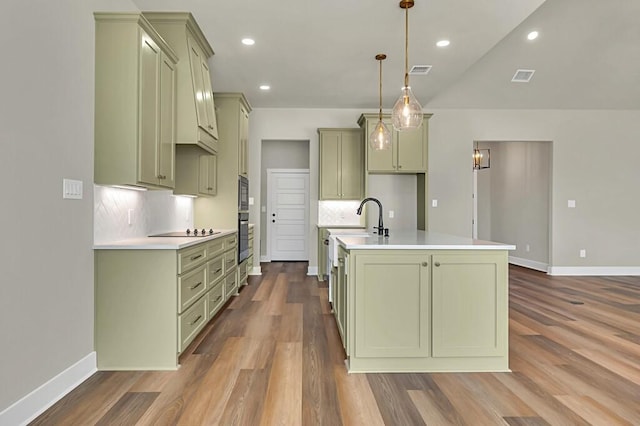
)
(527, 248)
(391, 214)
(571, 204)
(583, 253)
(434, 203)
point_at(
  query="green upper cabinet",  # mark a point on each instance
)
(135, 103)
(196, 117)
(341, 164)
(196, 172)
(243, 140)
(408, 153)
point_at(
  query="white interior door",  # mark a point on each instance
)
(288, 214)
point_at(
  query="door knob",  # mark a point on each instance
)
(273, 214)
(273, 220)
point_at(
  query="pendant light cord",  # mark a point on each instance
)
(380, 98)
(406, 46)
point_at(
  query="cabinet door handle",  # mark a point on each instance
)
(326, 242)
(210, 126)
(218, 270)
(425, 264)
(399, 166)
(437, 263)
(196, 320)
(217, 298)
(196, 286)
(196, 257)
(341, 261)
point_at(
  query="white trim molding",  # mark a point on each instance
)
(312, 270)
(35, 403)
(256, 270)
(594, 270)
(531, 264)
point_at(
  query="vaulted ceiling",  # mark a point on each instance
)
(321, 53)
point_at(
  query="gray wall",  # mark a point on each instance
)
(515, 193)
(396, 193)
(46, 131)
(594, 162)
(278, 154)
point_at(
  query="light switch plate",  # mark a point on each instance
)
(571, 204)
(434, 203)
(72, 189)
(250, 201)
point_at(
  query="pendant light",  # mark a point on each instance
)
(380, 138)
(481, 158)
(407, 112)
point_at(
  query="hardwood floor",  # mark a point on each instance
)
(274, 357)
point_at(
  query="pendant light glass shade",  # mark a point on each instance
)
(407, 112)
(380, 138)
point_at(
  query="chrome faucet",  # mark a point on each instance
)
(381, 229)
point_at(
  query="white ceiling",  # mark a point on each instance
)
(320, 53)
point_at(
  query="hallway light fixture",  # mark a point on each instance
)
(481, 158)
(407, 112)
(380, 138)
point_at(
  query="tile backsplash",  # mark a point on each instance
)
(152, 212)
(339, 213)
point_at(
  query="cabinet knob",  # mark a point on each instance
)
(273, 221)
(425, 264)
(399, 166)
(437, 263)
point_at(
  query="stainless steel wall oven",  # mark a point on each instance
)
(243, 218)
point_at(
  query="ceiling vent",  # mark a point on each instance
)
(420, 69)
(522, 76)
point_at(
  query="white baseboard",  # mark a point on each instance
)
(312, 270)
(531, 264)
(265, 259)
(35, 403)
(594, 270)
(256, 270)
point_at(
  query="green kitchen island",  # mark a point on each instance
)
(422, 302)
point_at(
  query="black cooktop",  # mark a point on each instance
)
(189, 233)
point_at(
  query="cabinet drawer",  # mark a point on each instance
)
(215, 270)
(191, 257)
(215, 247)
(216, 299)
(230, 284)
(231, 261)
(191, 286)
(231, 242)
(191, 322)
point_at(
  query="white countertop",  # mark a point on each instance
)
(160, 243)
(419, 240)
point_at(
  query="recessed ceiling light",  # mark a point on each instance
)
(248, 41)
(532, 35)
(265, 87)
(443, 43)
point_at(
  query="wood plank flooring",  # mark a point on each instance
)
(273, 357)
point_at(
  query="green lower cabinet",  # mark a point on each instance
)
(424, 310)
(392, 306)
(469, 305)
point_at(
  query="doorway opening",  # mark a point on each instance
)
(512, 200)
(285, 156)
